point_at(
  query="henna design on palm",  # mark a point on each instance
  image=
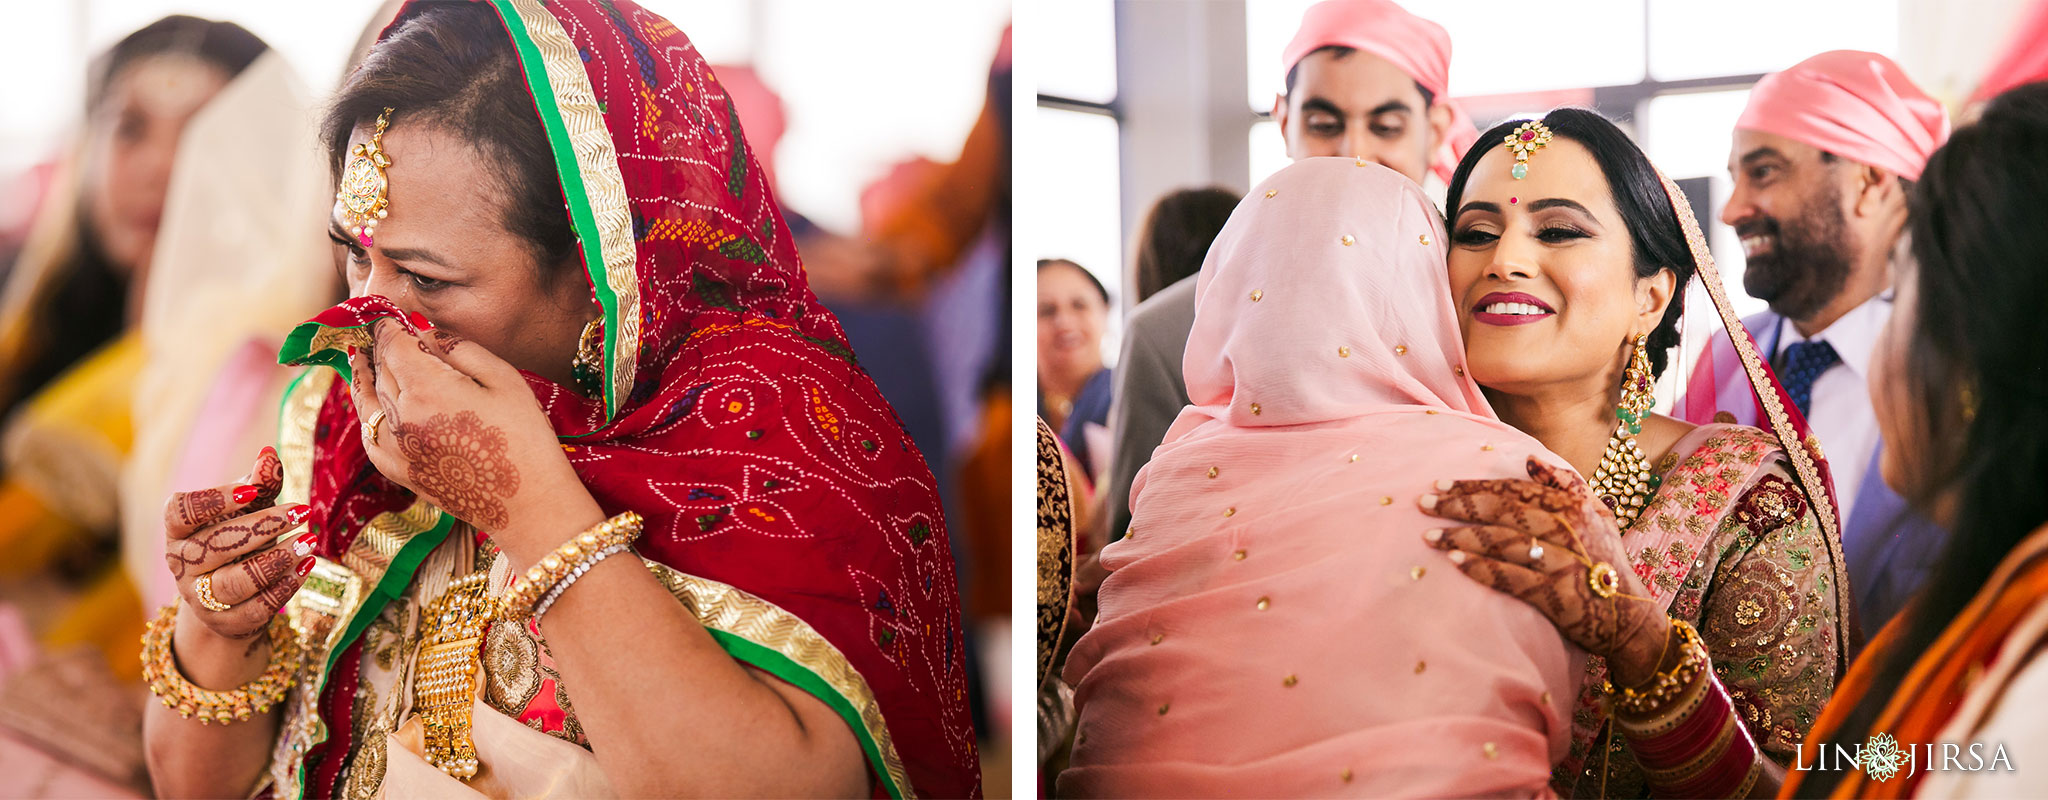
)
(460, 463)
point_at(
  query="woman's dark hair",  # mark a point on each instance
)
(1050, 262)
(1655, 240)
(1974, 218)
(222, 44)
(1177, 234)
(451, 66)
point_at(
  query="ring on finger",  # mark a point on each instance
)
(370, 426)
(204, 588)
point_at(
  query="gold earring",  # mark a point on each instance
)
(1623, 479)
(588, 368)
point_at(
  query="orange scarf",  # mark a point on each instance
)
(1934, 688)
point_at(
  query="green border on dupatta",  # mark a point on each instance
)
(771, 638)
(588, 165)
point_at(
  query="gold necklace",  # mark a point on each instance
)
(1623, 480)
(444, 686)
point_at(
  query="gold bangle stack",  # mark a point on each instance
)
(160, 670)
(533, 592)
(1662, 687)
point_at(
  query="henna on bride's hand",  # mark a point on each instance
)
(194, 550)
(460, 463)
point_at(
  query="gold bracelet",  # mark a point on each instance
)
(160, 670)
(573, 557)
(1664, 686)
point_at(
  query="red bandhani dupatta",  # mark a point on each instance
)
(780, 489)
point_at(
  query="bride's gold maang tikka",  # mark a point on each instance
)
(1529, 138)
(365, 191)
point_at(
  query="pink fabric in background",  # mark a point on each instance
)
(237, 418)
(1374, 668)
(1856, 105)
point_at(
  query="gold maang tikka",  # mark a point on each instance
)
(365, 191)
(1528, 138)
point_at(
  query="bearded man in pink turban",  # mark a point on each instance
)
(1823, 159)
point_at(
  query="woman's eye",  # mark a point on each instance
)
(425, 283)
(1471, 236)
(1560, 234)
(356, 254)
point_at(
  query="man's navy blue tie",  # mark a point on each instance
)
(1804, 363)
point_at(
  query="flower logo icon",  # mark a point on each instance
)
(1882, 757)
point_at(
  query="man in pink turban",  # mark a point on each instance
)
(1823, 158)
(1366, 79)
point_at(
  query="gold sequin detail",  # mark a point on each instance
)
(1158, 637)
(1416, 573)
(1400, 349)
(1212, 472)
(1255, 409)
(1239, 555)
(1458, 371)
(1343, 352)
(1431, 412)
(1424, 239)
(1346, 775)
(1420, 666)
(1231, 511)
(1164, 706)
(1347, 240)
(1271, 192)
(1354, 457)
(1386, 501)
(1491, 751)
(1289, 681)
(1486, 447)
(1264, 603)
(1256, 294)
(1546, 698)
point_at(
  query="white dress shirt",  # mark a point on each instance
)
(1841, 414)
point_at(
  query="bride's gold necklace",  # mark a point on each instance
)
(444, 687)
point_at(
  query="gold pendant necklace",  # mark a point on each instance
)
(444, 685)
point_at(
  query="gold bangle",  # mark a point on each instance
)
(160, 671)
(1664, 686)
(573, 557)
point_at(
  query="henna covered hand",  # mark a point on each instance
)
(1540, 540)
(231, 534)
(461, 429)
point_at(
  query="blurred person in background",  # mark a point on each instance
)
(71, 359)
(1823, 157)
(1073, 383)
(1959, 392)
(1148, 391)
(1370, 81)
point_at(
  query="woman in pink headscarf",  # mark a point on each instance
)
(1271, 626)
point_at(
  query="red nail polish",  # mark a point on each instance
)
(245, 494)
(351, 351)
(267, 452)
(305, 566)
(298, 514)
(303, 546)
(419, 321)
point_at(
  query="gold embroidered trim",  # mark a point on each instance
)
(387, 533)
(320, 611)
(295, 421)
(603, 184)
(1803, 466)
(734, 611)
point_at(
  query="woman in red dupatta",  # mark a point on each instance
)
(790, 526)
